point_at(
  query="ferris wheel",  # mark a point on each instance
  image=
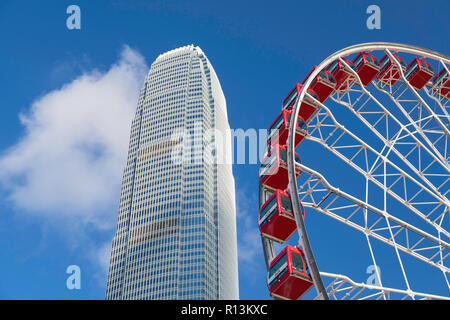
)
(373, 122)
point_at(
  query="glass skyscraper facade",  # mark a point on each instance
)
(176, 228)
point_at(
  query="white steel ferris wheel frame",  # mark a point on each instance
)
(315, 192)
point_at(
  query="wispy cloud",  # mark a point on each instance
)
(70, 160)
(249, 239)
(67, 167)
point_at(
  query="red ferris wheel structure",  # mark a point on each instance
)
(378, 113)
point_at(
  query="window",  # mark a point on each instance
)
(283, 156)
(313, 94)
(276, 126)
(297, 263)
(268, 211)
(279, 266)
(412, 69)
(384, 63)
(332, 68)
(358, 61)
(427, 66)
(323, 75)
(301, 125)
(440, 78)
(286, 203)
(292, 96)
(372, 60)
(268, 164)
(331, 78)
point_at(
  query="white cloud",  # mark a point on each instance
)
(249, 240)
(99, 256)
(70, 160)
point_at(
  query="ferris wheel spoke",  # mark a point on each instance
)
(419, 110)
(426, 127)
(315, 192)
(395, 97)
(424, 163)
(341, 287)
(435, 112)
(443, 101)
(364, 159)
(442, 104)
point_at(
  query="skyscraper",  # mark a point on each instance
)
(176, 228)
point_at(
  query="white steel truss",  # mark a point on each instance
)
(315, 192)
(406, 134)
(340, 287)
(427, 204)
(410, 165)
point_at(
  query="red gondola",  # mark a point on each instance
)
(273, 172)
(344, 77)
(418, 73)
(288, 276)
(366, 66)
(389, 73)
(323, 84)
(279, 129)
(276, 218)
(307, 108)
(441, 84)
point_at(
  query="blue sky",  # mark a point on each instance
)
(259, 49)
